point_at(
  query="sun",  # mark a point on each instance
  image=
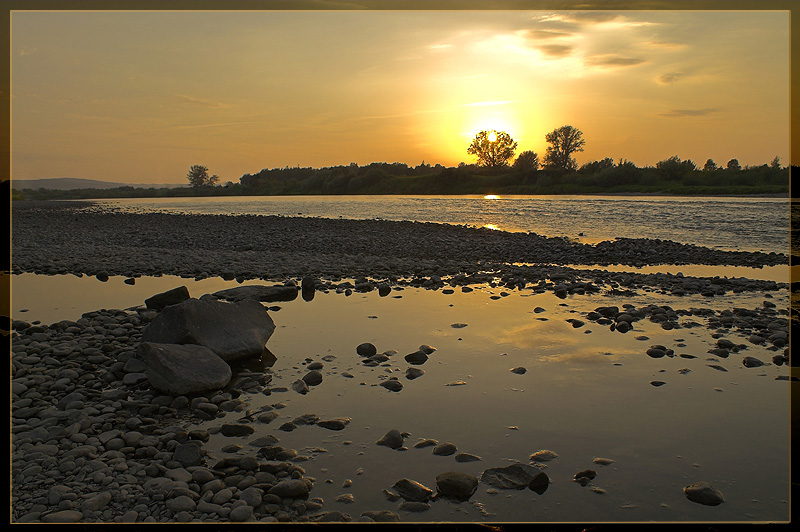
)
(492, 137)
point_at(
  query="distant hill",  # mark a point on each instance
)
(71, 183)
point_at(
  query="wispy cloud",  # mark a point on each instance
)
(670, 77)
(555, 50)
(665, 45)
(27, 51)
(202, 101)
(681, 113)
(613, 60)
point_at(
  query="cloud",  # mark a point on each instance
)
(27, 51)
(664, 45)
(547, 34)
(670, 77)
(488, 103)
(614, 60)
(202, 101)
(440, 47)
(555, 50)
(681, 113)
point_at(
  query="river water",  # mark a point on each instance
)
(587, 392)
(730, 223)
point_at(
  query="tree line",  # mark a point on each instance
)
(493, 172)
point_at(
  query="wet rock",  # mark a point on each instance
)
(603, 461)
(393, 385)
(467, 457)
(415, 506)
(381, 516)
(703, 493)
(263, 293)
(413, 373)
(655, 352)
(392, 439)
(514, 476)
(657, 383)
(313, 378)
(232, 430)
(170, 297)
(456, 485)
(291, 488)
(427, 349)
(444, 449)
(338, 423)
(585, 476)
(519, 370)
(300, 386)
(366, 350)
(231, 330)
(752, 362)
(411, 490)
(183, 369)
(543, 456)
(539, 483)
(416, 358)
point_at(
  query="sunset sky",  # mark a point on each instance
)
(139, 97)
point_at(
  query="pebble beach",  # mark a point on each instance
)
(93, 442)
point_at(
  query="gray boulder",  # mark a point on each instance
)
(170, 297)
(515, 476)
(259, 293)
(411, 490)
(183, 369)
(456, 485)
(231, 330)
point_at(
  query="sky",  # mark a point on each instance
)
(140, 96)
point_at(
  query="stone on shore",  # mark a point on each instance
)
(183, 369)
(703, 493)
(456, 485)
(412, 490)
(231, 330)
(170, 297)
(267, 294)
(515, 476)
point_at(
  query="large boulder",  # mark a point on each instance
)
(183, 369)
(231, 330)
(170, 297)
(259, 293)
(456, 485)
(514, 476)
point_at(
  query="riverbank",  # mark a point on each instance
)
(93, 442)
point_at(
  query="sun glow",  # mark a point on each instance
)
(491, 196)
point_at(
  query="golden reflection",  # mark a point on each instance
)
(493, 227)
(491, 196)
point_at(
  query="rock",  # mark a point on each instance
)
(235, 430)
(381, 516)
(519, 370)
(752, 362)
(425, 348)
(444, 449)
(392, 439)
(366, 350)
(338, 423)
(703, 493)
(467, 457)
(539, 483)
(583, 477)
(63, 516)
(412, 490)
(393, 385)
(241, 513)
(416, 358)
(300, 386)
(603, 461)
(543, 456)
(655, 352)
(232, 330)
(183, 369)
(187, 454)
(291, 488)
(182, 503)
(456, 485)
(515, 476)
(415, 506)
(267, 294)
(170, 297)
(96, 502)
(313, 377)
(413, 373)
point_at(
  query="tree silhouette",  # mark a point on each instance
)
(733, 164)
(492, 148)
(564, 141)
(198, 176)
(527, 161)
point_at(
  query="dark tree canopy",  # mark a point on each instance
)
(564, 141)
(492, 148)
(527, 161)
(198, 176)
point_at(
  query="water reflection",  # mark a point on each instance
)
(575, 399)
